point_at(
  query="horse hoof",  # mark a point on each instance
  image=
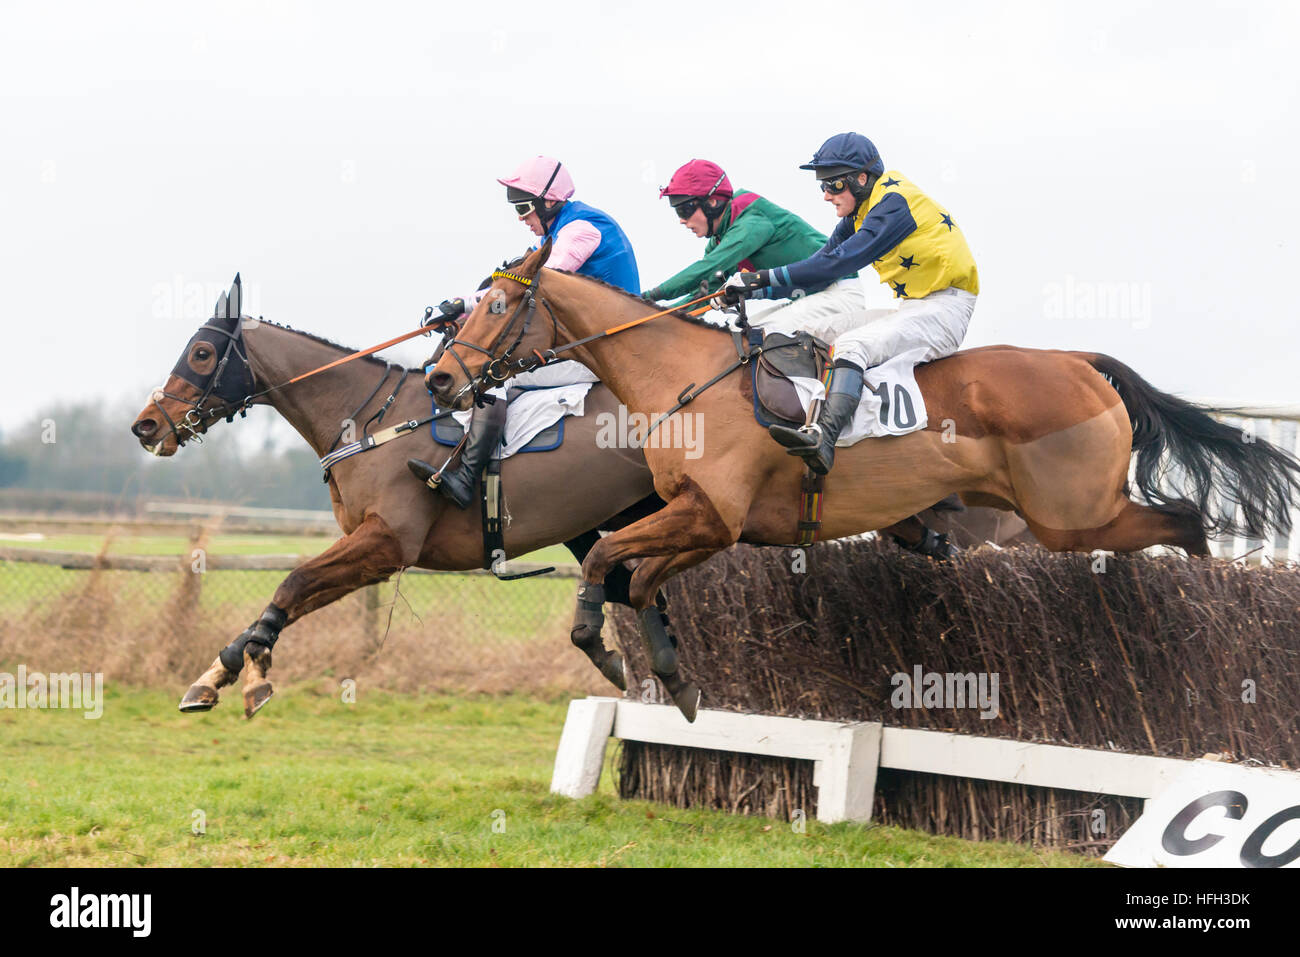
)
(664, 660)
(615, 671)
(198, 698)
(255, 697)
(687, 699)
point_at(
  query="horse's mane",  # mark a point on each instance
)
(332, 344)
(675, 314)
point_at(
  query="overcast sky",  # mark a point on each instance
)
(1124, 172)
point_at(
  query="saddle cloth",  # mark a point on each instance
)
(891, 403)
(534, 418)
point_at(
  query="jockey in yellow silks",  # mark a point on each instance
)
(917, 249)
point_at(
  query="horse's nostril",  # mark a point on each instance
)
(441, 381)
(144, 428)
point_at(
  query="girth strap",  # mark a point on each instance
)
(810, 507)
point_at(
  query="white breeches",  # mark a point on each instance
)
(938, 322)
(870, 337)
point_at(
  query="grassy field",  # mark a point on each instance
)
(390, 780)
(251, 544)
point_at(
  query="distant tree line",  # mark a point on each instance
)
(86, 447)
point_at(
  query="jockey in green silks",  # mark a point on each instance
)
(747, 232)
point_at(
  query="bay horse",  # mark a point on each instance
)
(1047, 434)
(390, 519)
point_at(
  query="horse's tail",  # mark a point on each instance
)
(1211, 466)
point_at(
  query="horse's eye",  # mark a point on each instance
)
(201, 355)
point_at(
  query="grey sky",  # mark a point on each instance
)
(1134, 159)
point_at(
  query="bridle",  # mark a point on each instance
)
(496, 370)
(500, 368)
(236, 400)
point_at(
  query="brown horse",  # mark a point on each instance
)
(390, 520)
(1044, 433)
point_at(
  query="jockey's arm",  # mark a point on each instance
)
(570, 248)
(572, 245)
(746, 236)
(886, 225)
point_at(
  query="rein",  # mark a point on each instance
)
(499, 368)
(196, 418)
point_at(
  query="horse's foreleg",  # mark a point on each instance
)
(369, 555)
(684, 532)
(689, 522)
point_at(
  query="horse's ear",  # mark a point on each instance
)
(235, 303)
(220, 312)
(535, 260)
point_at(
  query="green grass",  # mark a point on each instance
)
(391, 780)
(253, 544)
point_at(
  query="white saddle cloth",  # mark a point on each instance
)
(891, 404)
(533, 411)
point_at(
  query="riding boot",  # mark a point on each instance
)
(458, 484)
(932, 544)
(816, 443)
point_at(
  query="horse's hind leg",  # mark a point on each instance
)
(1136, 527)
(370, 554)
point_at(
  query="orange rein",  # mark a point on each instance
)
(364, 352)
(666, 312)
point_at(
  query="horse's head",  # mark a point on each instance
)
(503, 328)
(211, 380)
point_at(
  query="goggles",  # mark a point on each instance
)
(835, 185)
(687, 209)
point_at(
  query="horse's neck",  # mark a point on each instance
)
(649, 365)
(318, 406)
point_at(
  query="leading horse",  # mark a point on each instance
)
(1047, 434)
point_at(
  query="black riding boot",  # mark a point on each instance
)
(817, 443)
(485, 430)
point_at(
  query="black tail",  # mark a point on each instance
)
(1212, 466)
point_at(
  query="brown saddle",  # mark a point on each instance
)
(775, 399)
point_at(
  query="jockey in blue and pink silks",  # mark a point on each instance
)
(583, 240)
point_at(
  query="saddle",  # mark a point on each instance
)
(778, 358)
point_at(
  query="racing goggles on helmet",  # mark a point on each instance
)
(524, 203)
(836, 181)
(687, 207)
(834, 186)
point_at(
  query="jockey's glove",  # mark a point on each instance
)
(452, 308)
(651, 295)
(743, 285)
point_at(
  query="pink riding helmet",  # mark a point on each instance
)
(698, 178)
(532, 176)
